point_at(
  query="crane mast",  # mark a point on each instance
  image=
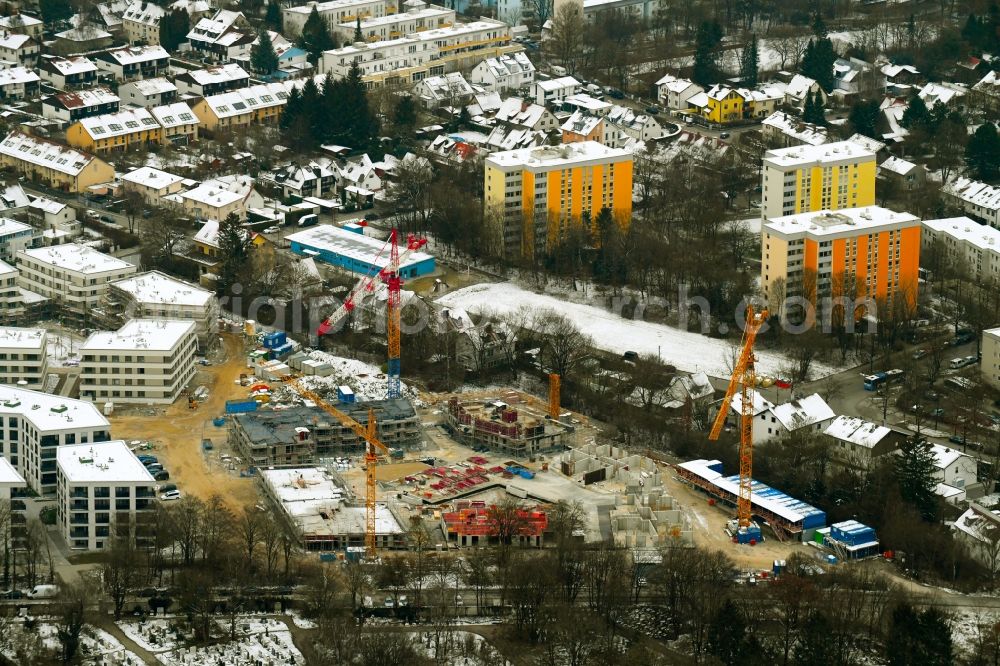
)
(744, 378)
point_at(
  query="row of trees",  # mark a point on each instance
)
(337, 112)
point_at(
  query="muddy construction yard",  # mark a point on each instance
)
(177, 432)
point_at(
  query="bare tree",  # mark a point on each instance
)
(70, 620)
(564, 345)
(507, 521)
(186, 517)
(249, 529)
(216, 529)
(567, 36)
(270, 538)
(120, 571)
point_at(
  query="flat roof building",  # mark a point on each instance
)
(963, 242)
(73, 277)
(146, 361)
(314, 508)
(805, 178)
(23, 357)
(103, 492)
(333, 12)
(354, 252)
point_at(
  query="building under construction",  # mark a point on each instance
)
(498, 426)
(789, 518)
(472, 524)
(301, 435)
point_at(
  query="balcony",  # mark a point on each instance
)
(79, 505)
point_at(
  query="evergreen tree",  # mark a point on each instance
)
(916, 114)
(263, 59)
(935, 638)
(293, 109)
(818, 61)
(174, 27)
(918, 639)
(863, 118)
(272, 17)
(312, 111)
(982, 154)
(809, 108)
(814, 109)
(404, 115)
(55, 10)
(727, 634)
(749, 63)
(706, 70)
(819, 26)
(315, 37)
(234, 248)
(332, 114)
(816, 640)
(358, 37)
(915, 471)
(361, 125)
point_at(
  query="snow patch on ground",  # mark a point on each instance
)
(299, 621)
(968, 628)
(62, 348)
(367, 381)
(94, 643)
(686, 350)
(258, 641)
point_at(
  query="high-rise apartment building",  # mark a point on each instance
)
(869, 252)
(831, 176)
(534, 195)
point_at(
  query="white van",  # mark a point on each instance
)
(44, 592)
(962, 361)
(308, 220)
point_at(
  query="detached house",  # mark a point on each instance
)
(19, 48)
(134, 62)
(860, 445)
(69, 72)
(212, 80)
(511, 71)
(674, 93)
(141, 22)
(224, 36)
(804, 415)
(18, 83)
(148, 92)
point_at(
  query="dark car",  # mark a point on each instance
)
(964, 337)
(616, 94)
(372, 216)
(956, 439)
(11, 594)
(167, 487)
(162, 475)
(653, 110)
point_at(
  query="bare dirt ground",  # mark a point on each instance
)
(709, 522)
(178, 433)
(395, 471)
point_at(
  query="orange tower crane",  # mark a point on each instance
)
(554, 388)
(373, 448)
(745, 378)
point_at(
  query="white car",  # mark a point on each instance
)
(272, 230)
(170, 495)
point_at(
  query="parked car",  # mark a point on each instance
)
(308, 220)
(724, 135)
(170, 495)
(154, 468)
(937, 412)
(144, 459)
(963, 337)
(272, 230)
(962, 362)
(11, 594)
(615, 93)
(920, 353)
(167, 487)
(372, 216)
(107, 219)
(389, 603)
(162, 475)
(653, 110)
(44, 592)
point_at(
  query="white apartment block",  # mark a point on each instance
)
(73, 277)
(990, 363)
(831, 176)
(13, 488)
(418, 16)
(407, 60)
(104, 491)
(333, 13)
(975, 198)
(33, 425)
(23, 357)
(146, 361)
(15, 237)
(11, 298)
(966, 244)
(155, 295)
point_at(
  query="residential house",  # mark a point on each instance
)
(957, 474)
(69, 72)
(148, 92)
(260, 104)
(217, 198)
(18, 83)
(674, 93)
(801, 87)
(224, 35)
(719, 105)
(212, 80)
(547, 91)
(693, 393)
(317, 178)
(72, 106)
(15, 237)
(115, 132)
(449, 90)
(965, 242)
(52, 163)
(859, 445)
(511, 138)
(134, 62)
(19, 48)
(360, 175)
(511, 71)
(141, 22)
(979, 530)
(989, 363)
(206, 241)
(22, 23)
(900, 79)
(179, 124)
(83, 37)
(582, 126)
(853, 77)
(987, 91)
(24, 352)
(977, 199)
(788, 130)
(906, 176)
(516, 112)
(152, 184)
(949, 94)
(56, 219)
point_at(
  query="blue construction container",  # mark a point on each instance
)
(275, 340)
(346, 395)
(750, 533)
(526, 474)
(283, 350)
(852, 533)
(219, 421)
(240, 406)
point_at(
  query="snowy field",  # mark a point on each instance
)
(686, 350)
(259, 641)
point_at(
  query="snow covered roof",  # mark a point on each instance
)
(175, 114)
(44, 153)
(78, 258)
(581, 123)
(83, 98)
(989, 84)
(9, 475)
(979, 522)
(83, 32)
(211, 29)
(49, 412)
(17, 76)
(549, 157)
(503, 138)
(517, 111)
(120, 123)
(12, 337)
(226, 73)
(18, 22)
(856, 430)
(837, 152)
(799, 86)
(674, 84)
(13, 40)
(150, 177)
(155, 86)
(13, 196)
(130, 55)
(47, 205)
(563, 82)
(850, 221)
(897, 165)
(9, 226)
(144, 12)
(371, 251)
(981, 236)
(141, 335)
(944, 456)
(891, 70)
(789, 125)
(932, 93)
(802, 412)
(247, 100)
(509, 64)
(69, 65)
(866, 142)
(760, 403)
(974, 192)
(105, 462)
(444, 87)
(155, 287)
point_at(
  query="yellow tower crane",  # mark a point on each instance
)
(373, 448)
(745, 378)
